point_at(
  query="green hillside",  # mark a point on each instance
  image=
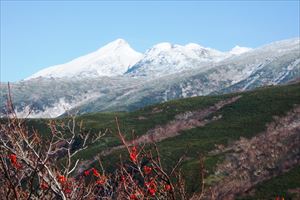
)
(246, 117)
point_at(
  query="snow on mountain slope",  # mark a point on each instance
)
(273, 64)
(58, 108)
(237, 50)
(111, 60)
(118, 58)
(165, 58)
(164, 72)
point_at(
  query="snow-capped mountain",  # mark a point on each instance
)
(113, 59)
(118, 58)
(130, 80)
(166, 58)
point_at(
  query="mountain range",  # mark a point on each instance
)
(118, 78)
(118, 58)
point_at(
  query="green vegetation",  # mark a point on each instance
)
(245, 118)
(277, 186)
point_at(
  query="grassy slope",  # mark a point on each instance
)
(142, 120)
(277, 186)
(244, 118)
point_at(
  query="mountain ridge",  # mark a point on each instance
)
(88, 65)
(272, 64)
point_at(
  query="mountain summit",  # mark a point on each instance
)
(111, 60)
(166, 58)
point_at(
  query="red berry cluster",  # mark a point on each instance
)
(101, 180)
(14, 161)
(133, 154)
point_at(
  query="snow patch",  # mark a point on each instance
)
(250, 82)
(57, 109)
(289, 68)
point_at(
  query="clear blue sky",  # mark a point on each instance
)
(35, 35)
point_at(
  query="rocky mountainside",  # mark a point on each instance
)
(117, 78)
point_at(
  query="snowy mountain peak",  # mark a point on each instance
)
(161, 47)
(166, 58)
(239, 50)
(166, 46)
(114, 45)
(193, 46)
(119, 41)
(113, 59)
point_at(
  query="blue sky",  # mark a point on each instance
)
(35, 35)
